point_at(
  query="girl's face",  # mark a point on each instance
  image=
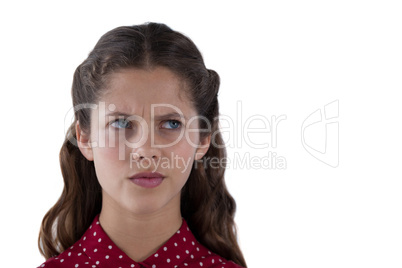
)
(134, 129)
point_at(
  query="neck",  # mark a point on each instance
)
(140, 235)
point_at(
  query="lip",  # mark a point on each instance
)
(147, 179)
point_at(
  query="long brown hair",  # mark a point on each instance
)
(206, 203)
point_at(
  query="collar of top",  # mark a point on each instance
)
(104, 253)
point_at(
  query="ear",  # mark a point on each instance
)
(203, 147)
(84, 143)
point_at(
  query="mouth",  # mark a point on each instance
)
(147, 179)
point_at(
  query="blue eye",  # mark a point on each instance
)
(121, 123)
(172, 124)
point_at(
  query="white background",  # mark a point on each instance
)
(278, 58)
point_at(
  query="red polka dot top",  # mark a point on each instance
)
(96, 250)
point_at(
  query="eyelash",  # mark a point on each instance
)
(120, 120)
(129, 123)
(175, 121)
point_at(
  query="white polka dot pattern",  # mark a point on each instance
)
(96, 250)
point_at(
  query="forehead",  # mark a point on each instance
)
(135, 90)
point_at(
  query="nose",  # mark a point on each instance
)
(142, 154)
(146, 151)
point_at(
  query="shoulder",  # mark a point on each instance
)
(198, 255)
(71, 257)
(212, 261)
(215, 261)
(202, 257)
(52, 262)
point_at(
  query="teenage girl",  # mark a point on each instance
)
(143, 163)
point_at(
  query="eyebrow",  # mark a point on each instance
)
(158, 117)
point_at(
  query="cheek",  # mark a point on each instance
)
(107, 163)
(191, 136)
(183, 158)
(106, 154)
(108, 169)
(111, 145)
(186, 146)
